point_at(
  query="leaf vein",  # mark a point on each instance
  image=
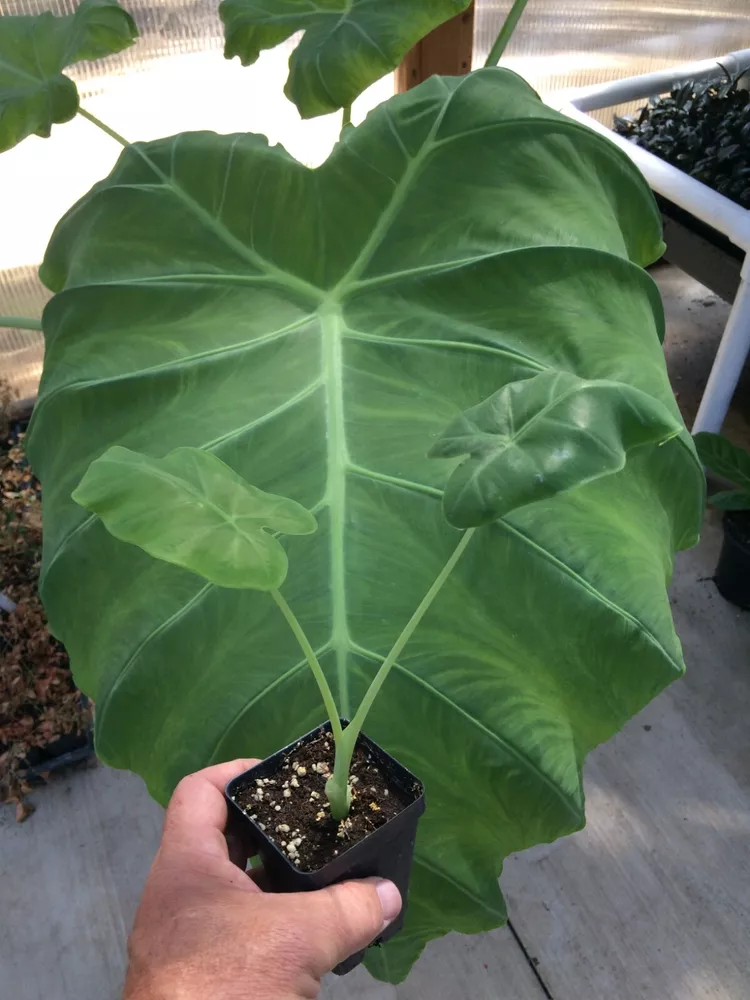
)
(160, 629)
(510, 748)
(215, 755)
(420, 859)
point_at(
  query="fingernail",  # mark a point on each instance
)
(390, 901)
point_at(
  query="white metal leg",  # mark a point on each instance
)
(727, 367)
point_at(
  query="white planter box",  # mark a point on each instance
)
(699, 200)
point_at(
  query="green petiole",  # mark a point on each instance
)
(338, 790)
(105, 128)
(21, 322)
(314, 664)
(504, 35)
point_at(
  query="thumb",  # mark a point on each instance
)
(345, 918)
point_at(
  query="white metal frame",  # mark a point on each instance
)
(701, 201)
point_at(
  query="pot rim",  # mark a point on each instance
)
(418, 788)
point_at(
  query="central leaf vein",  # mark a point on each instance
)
(337, 463)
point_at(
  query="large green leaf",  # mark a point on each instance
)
(542, 436)
(34, 93)
(346, 45)
(318, 330)
(192, 510)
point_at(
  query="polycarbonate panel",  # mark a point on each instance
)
(173, 79)
(558, 45)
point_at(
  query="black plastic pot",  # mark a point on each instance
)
(733, 571)
(385, 853)
(68, 750)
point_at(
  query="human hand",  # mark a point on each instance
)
(205, 930)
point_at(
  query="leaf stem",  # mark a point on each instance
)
(105, 128)
(337, 784)
(509, 26)
(314, 663)
(21, 322)
(346, 118)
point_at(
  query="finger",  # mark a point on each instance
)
(342, 919)
(221, 774)
(197, 813)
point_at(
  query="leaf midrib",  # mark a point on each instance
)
(337, 460)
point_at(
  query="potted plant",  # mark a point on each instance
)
(702, 129)
(391, 439)
(688, 142)
(44, 724)
(697, 128)
(730, 462)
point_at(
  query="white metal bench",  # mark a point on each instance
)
(701, 201)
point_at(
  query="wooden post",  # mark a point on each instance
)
(446, 51)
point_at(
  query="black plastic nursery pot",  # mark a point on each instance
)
(66, 750)
(386, 852)
(733, 571)
(74, 748)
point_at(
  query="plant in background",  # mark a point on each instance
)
(725, 459)
(701, 128)
(443, 332)
(730, 462)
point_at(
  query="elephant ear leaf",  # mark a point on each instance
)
(346, 46)
(542, 436)
(34, 50)
(190, 509)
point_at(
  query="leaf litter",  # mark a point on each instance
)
(39, 702)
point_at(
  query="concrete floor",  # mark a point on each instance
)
(650, 902)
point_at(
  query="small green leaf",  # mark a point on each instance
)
(346, 46)
(731, 500)
(542, 436)
(34, 94)
(723, 458)
(192, 510)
